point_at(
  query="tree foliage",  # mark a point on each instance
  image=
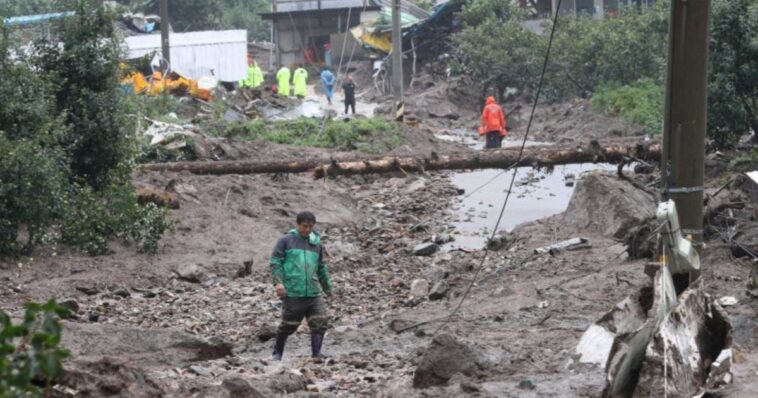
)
(621, 58)
(29, 352)
(733, 78)
(191, 15)
(495, 47)
(68, 143)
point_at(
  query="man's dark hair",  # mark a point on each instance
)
(305, 216)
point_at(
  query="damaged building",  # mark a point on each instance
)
(303, 29)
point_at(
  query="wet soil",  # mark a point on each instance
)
(524, 314)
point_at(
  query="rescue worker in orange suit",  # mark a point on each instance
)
(493, 124)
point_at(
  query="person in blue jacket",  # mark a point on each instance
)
(328, 79)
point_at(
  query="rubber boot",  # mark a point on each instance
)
(279, 346)
(316, 340)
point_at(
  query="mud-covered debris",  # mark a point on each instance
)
(158, 197)
(445, 357)
(419, 288)
(425, 249)
(563, 245)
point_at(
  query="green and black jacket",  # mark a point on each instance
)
(298, 264)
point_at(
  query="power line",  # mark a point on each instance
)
(479, 268)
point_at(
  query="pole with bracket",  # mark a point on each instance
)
(683, 154)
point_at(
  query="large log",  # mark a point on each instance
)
(502, 158)
(497, 159)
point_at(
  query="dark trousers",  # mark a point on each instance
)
(296, 308)
(350, 104)
(494, 140)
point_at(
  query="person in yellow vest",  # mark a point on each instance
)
(254, 76)
(299, 80)
(283, 80)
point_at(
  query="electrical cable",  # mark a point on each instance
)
(479, 268)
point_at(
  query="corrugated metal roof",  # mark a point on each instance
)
(196, 54)
(313, 5)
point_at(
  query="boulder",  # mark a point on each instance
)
(425, 249)
(607, 205)
(445, 357)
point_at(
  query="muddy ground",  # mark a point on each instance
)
(196, 319)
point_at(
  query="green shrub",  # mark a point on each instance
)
(639, 103)
(29, 352)
(67, 143)
(308, 132)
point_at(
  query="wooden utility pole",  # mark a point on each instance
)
(166, 49)
(397, 61)
(682, 158)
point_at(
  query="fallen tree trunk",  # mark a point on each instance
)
(498, 159)
(502, 158)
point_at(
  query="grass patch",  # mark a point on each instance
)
(639, 103)
(371, 135)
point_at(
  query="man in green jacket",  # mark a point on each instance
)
(300, 276)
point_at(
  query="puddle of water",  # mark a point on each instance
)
(315, 105)
(536, 195)
(471, 139)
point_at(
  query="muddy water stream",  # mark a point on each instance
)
(536, 194)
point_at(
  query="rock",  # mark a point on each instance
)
(438, 290)
(607, 205)
(419, 288)
(121, 292)
(88, 290)
(266, 333)
(240, 388)
(287, 382)
(526, 385)
(199, 370)
(434, 273)
(72, 306)
(425, 249)
(445, 357)
(728, 301)
(93, 316)
(246, 269)
(191, 273)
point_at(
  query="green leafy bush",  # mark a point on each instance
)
(356, 133)
(68, 143)
(639, 103)
(29, 352)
